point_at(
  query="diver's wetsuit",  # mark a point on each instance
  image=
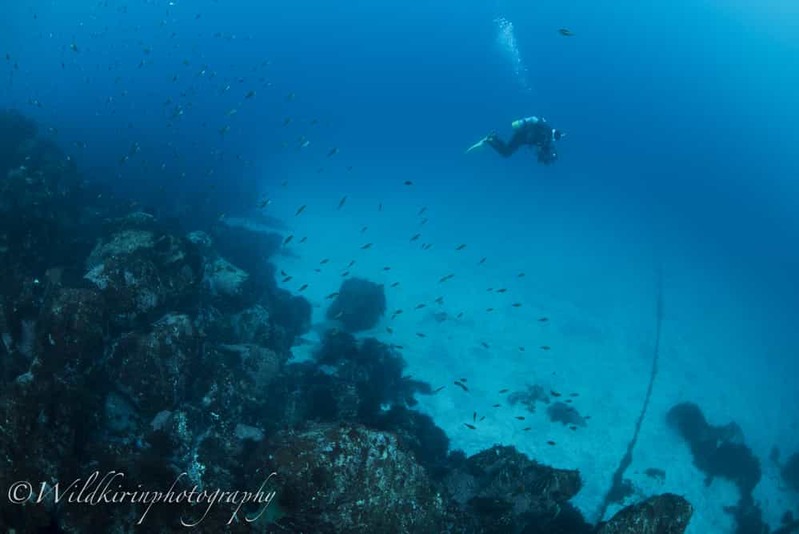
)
(537, 134)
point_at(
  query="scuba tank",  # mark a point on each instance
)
(523, 122)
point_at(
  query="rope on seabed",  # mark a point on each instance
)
(617, 485)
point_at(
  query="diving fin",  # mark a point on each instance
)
(477, 145)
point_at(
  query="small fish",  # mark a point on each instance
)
(389, 330)
(470, 427)
(324, 261)
(572, 428)
(482, 418)
(482, 260)
(332, 295)
(520, 275)
(387, 268)
(484, 344)
(422, 210)
(287, 279)
(521, 349)
(420, 306)
(300, 210)
(474, 416)
(461, 385)
(502, 290)
(550, 442)
(416, 237)
(545, 347)
(574, 394)
(332, 152)
(438, 389)
(503, 391)
(461, 246)
(496, 406)
(264, 203)
(554, 393)
(526, 429)
(460, 314)
(250, 94)
(345, 274)
(489, 310)
(519, 417)
(408, 182)
(517, 304)
(303, 287)
(350, 264)
(364, 229)
(288, 239)
(366, 246)
(303, 239)
(543, 319)
(463, 380)
(421, 334)
(439, 300)
(395, 284)
(342, 202)
(74, 47)
(446, 277)
(566, 32)
(286, 121)
(398, 311)
(426, 246)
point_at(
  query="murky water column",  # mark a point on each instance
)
(506, 39)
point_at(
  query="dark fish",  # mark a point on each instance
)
(350, 264)
(574, 394)
(250, 94)
(386, 268)
(566, 32)
(554, 393)
(502, 290)
(332, 152)
(550, 442)
(526, 429)
(545, 347)
(482, 418)
(461, 385)
(484, 344)
(520, 275)
(482, 260)
(395, 284)
(416, 236)
(463, 380)
(422, 210)
(300, 210)
(489, 310)
(474, 416)
(365, 228)
(496, 405)
(519, 417)
(332, 295)
(303, 239)
(460, 314)
(323, 261)
(543, 319)
(389, 330)
(470, 427)
(517, 304)
(303, 287)
(287, 279)
(446, 277)
(461, 246)
(521, 349)
(366, 246)
(342, 202)
(345, 274)
(408, 182)
(420, 306)
(572, 428)
(503, 391)
(438, 389)
(421, 334)
(439, 300)
(288, 239)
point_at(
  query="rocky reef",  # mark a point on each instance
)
(147, 383)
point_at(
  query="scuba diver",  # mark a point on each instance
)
(530, 131)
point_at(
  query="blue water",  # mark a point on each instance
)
(680, 153)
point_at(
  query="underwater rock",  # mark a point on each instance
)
(140, 273)
(662, 514)
(505, 490)
(359, 305)
(560, 412)
(790, 472)
(152, 369)
(346, 478)
(226, 280)
(69, 332)
(717, 450)
(529, 397)
(374, 369)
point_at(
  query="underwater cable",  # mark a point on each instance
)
(617, 488)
